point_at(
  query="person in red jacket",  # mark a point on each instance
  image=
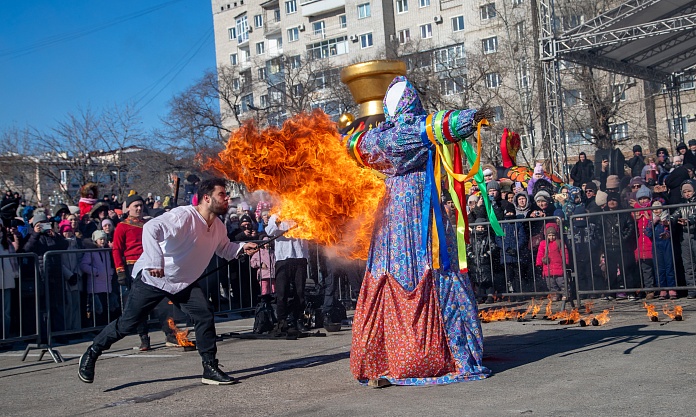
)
(127, 248)
(550, 259)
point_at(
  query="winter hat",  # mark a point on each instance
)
(510, 209)
(493, 185)
(74, 209)
(473, 198)
(635, 181)
(582, 154)
(551, 227)
(65, 228)
(107, 221)
(692, 142)
(245, 219)
(591, 186)
(39, 217)
(643, 192)
(58, 208)
(487, 171)
(98, 234)
(613, 197)
(133, 198)
(538, 169)
(681, 145)
(601, 198)
(686, 183)
(637, 148)
(662, 216)
(542, 195)
(613, 182)
(505, 185)
(678, 158)
(481, 220)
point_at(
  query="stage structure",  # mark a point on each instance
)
(653, 40)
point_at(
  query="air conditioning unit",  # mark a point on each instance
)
(353, 38)
(301, 27)
(251, 29)
(437, 19)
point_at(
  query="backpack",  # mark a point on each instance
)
(264, 318)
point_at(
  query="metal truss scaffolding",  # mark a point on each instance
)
(653, 40)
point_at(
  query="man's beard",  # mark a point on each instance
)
(218, 209)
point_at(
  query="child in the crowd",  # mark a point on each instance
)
(478, 255)
(514, 253)
(644, 247)
(550, 259)
(99, 273)
(659, 232)
(264, 261)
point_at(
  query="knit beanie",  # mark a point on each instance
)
(98, 234)
(487, 171)
(493, 185)
(107, 221)
(591, 186)
(473, 198)
(613, 197)
(601, 198)
(551, 227)
(681, 145)
(643, 192)
(542, 195)
(637, 148)
(635, 181)
(133, 198)
(613, 181)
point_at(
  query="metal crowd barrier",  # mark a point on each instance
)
(24, 320)
(606, 269)
(506, 266)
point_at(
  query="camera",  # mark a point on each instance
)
(45, 227)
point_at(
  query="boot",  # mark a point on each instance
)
(281, 328)
(300, 326)
(213, 375)
(86, 365)
(144, 342)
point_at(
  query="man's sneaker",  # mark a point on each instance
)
(213, 375)
(86, 365)
(144, 342)
(171, 341)
(633, 297)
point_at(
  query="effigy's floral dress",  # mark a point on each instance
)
(414, 325)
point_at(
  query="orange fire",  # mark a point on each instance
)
(180, 334)
(672, 314)
(318, 186)
(549, 311)
(652, 314)
(536, 308)
(603, 318)
(498, 314)
(588, 307)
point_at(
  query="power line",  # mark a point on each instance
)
(13, 53)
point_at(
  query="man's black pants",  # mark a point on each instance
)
(290, 270)
(143, 298)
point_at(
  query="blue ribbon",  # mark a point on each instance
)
(425, 215)
(444, 256)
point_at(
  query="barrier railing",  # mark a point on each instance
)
(21, 305)
(624, 253)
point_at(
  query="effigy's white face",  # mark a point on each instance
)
(394, 95)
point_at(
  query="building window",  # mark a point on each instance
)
(423, 3)
(258, 21)
(404, 36)
(490, 45)
(619, 131)
(276, 15)
(686, 82)
(365, 40)
(274, 66)
(297, 90)
(673, 125)
(452, 85)
(578, 137)
(233, 33)
(260, 48)
(318, 27)
(426, 31)
(293, 34)
(523, 75)
(493, 80)
(450, 58)
(364, 10)
(242, 29)
(499, 116)
(262, 73)
(263, 101)
(290, 6)
(234, 59)
(516, 3)
(488, 11)
(246, 101)
(235, 84)
(520, 31)
(401, 6)
(295, 61)
(618, 93)
(457, 23)
(329, 48)
(244, 55)
(342, 22)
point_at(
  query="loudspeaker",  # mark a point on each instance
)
(616, 161)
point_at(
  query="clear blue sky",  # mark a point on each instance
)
(57, 56)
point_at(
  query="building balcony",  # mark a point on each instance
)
(272, 27)
(316, 7)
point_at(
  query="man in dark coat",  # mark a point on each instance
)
(690, 155)
(583, 171)
(637, 162)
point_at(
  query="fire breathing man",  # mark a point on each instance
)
(177, 247)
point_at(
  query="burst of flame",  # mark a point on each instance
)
(498, 314)
(180, 334)
(318, 186)
(672, 313)
(603, 318)
(651, 310)
(529, 309)
(536, 309)
(588, 307)
(549, 312)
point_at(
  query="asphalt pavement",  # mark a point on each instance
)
(629, 366)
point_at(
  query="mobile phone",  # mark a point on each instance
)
(157, 198)
(45, 227)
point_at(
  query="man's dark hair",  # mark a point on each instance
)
(206, 187)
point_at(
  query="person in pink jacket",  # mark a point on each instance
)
(644, 248)
(264, 261)
(550, 259)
